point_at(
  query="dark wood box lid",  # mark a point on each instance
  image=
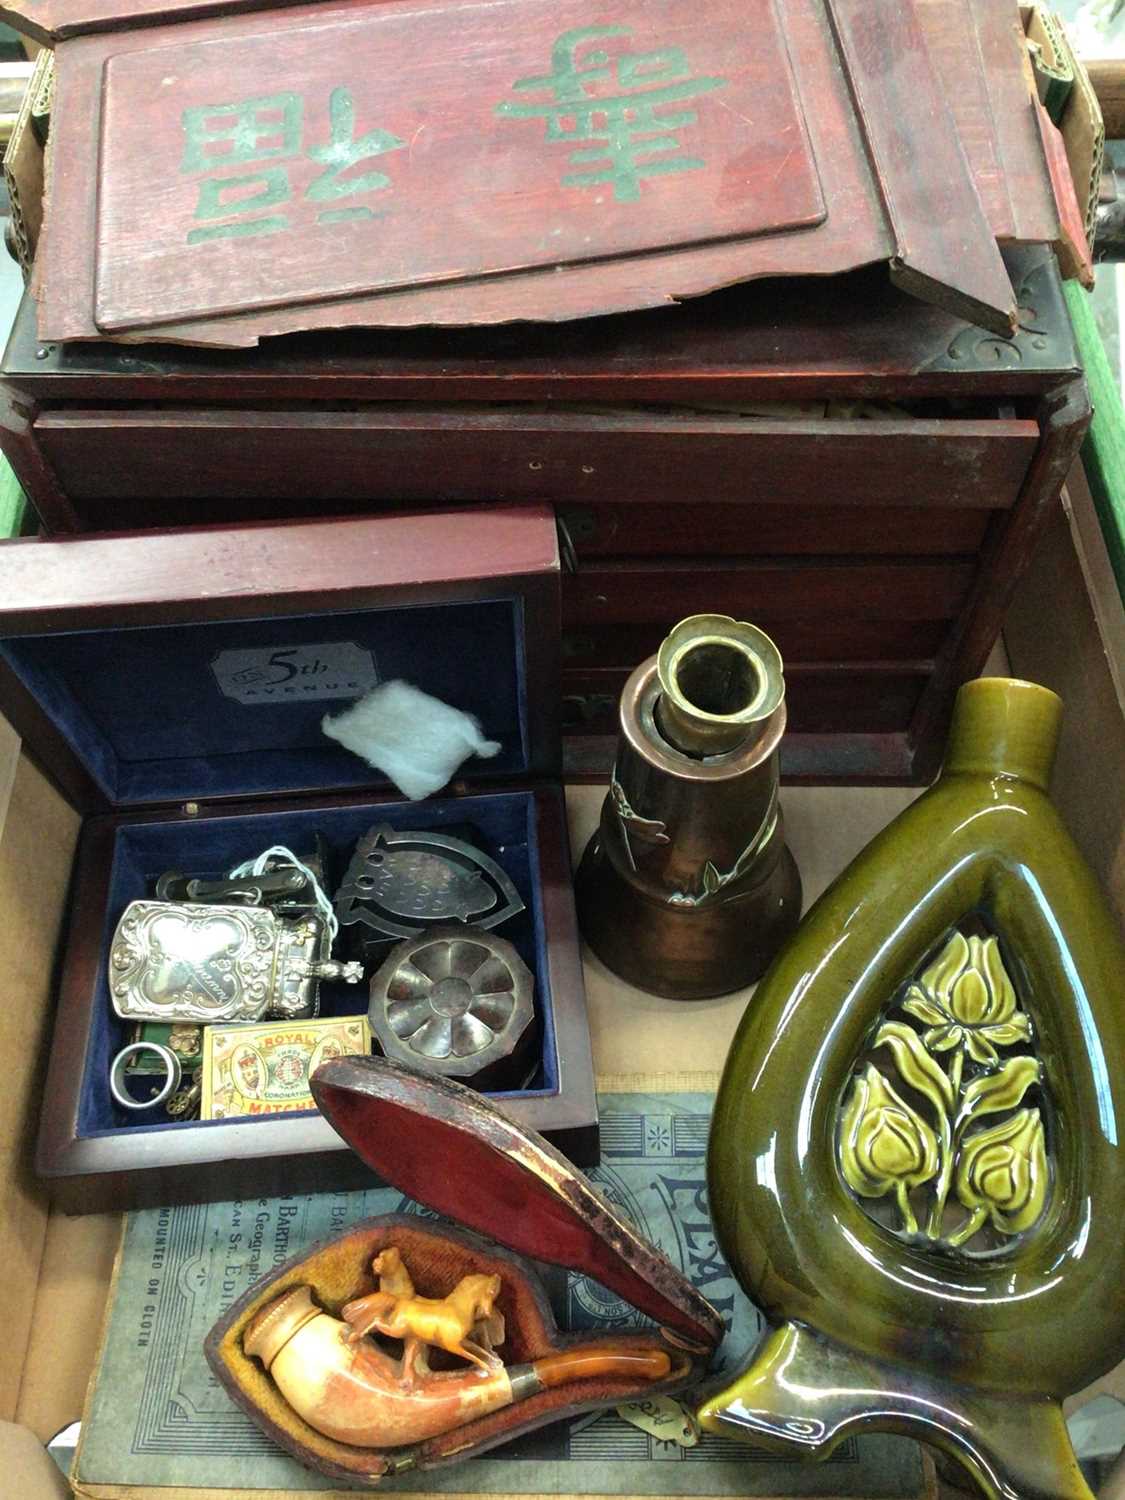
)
(120, 656)
(452, 1150)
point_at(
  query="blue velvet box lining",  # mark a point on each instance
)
(145, 711)
(503, 825)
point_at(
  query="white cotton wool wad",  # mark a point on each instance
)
(414, 739)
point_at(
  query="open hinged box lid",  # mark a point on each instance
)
(174, 683)
(165, 668)
(382, 163)
(454, 1152)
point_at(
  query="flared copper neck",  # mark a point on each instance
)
(720, 681)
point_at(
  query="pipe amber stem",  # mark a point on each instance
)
(601, 1362)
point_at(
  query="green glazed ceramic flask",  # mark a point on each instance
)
(917, 1157)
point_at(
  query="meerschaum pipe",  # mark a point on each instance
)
(356, 1394)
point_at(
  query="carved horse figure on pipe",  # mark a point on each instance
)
(398, 1312)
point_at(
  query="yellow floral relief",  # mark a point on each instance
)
(998, 1173)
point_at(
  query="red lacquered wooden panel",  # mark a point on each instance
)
(946, 251)
(611, 593)
(246, 572)
(763, 214)
(998, 25)
(640, 530)
(328, 153)
(770, 530)
(420, 456)
(993, 106)
(854, 234)
(992, 110)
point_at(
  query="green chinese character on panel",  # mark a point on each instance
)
(344, 151)
(213, 205)
(623, 137)
(227, 135)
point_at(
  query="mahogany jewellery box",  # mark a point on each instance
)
(499, 1189)
(123, 662)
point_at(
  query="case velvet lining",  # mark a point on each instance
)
(145, 709)
(503, 826)
(340, 1269)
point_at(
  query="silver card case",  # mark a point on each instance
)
(172, 961)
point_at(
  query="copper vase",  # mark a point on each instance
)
(687, 889)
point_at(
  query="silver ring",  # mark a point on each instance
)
(117, 1075)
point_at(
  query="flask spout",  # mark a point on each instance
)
(1004, 727)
